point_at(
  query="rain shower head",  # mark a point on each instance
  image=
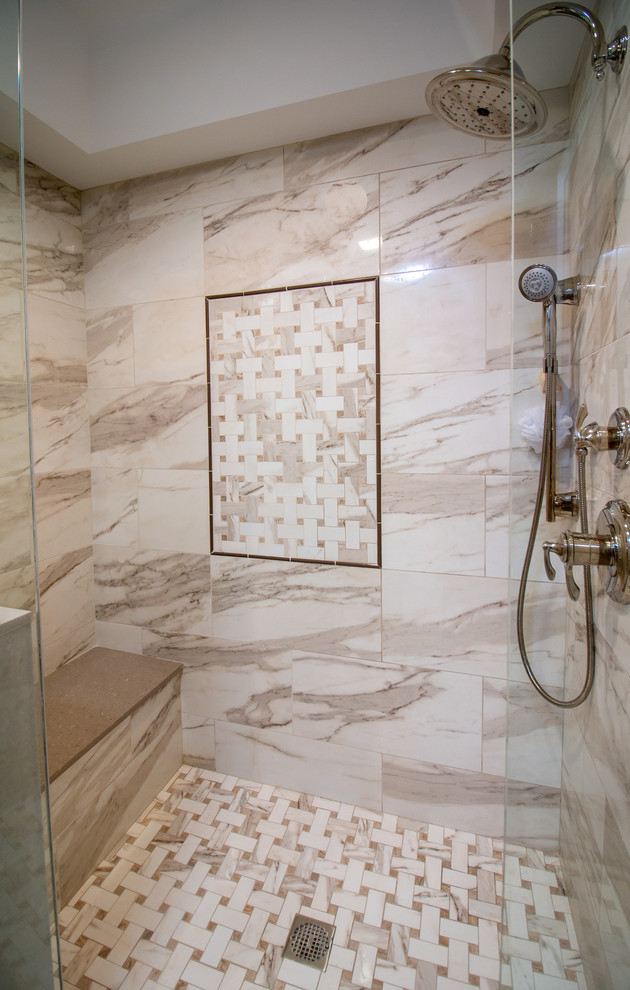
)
(478, 99)
(538, 283)
(492, 95)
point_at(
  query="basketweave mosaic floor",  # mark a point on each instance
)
(202, 893)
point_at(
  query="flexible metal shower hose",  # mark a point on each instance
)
(550, 391)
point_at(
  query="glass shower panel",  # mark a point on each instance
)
(567, 881)
(28, 944)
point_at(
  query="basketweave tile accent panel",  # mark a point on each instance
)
(294, 426)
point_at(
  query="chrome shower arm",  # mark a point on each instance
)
(602, 53)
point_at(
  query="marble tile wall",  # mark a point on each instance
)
(16, 543)
(61, 430)
(381, 686)
(595, 836)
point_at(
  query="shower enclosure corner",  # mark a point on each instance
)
(29, 958)
(567, 832)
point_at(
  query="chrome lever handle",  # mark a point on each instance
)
(582, 413)
(562, 546)
(548, 547)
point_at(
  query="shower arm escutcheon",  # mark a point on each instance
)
(609, 547)
(602, 54)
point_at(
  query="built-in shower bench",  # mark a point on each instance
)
(113, 729)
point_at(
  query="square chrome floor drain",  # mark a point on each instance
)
(309, 942)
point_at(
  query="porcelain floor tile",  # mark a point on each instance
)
(203, 891)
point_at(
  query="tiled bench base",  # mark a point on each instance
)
(113, 725)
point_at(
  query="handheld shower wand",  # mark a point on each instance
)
(539, 283)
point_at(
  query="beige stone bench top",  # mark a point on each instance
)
(87, 697)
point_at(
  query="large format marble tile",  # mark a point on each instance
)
(299, 606)
(494, 726)
(154, 343)
(432, 422)
(72, 791)
(170, 591)
(234, 682)
(169, 341)
(16, 541)
(17, 588)
(67, 595)
(258, 173)
(198, 743)
(75, 641)
(456, 798)
(61, 427)
(459, 213)
(63, 512)
(144, 260)
(433, 523)
(308, 235)
(47, 192)
(623, 253)
(434, 321)
(400, 144)
(604, 724)
(583, 816)
(162, 426)
(11, 238)
(12, 357)
(14, 429)
(532, 815)
(445, 622)
(534, 750)
(57, 343)
(110, 347)
(115, 506)
(340, 773)
(54, 259)
(118, 636)
(497, 529)
(173, 510)
(545, 624)
(386, 708)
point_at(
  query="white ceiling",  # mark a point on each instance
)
(121, 88)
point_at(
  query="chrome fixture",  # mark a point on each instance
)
(539, 283)
(615, 437)
(609, 547)
(479, 98)
(309, 942)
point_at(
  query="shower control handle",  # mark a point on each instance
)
(615, 437)
(609, 547)
(561, 547)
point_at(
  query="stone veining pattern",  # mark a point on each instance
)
(294, 424)
(202, 893)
